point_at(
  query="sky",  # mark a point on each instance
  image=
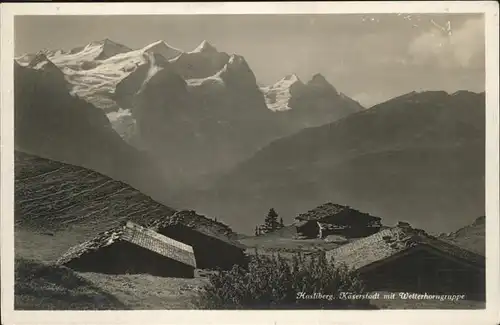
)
(370, 58)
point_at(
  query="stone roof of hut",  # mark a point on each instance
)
(328, 210)
(389, 242)
(137, 235)
(201, 224)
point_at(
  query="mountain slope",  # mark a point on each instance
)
(210, 123)
(418, 157)
(202, 62)
(205, 102)
(51, 123)
(471, 237)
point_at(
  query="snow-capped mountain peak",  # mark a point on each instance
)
(42, 63)
(287, 81)
(237, 60)
(50, 72)
(278, 95)
(291, 78)
(107, 48)
(237, 71)
(109, 44)
(203, 62)
(162, 48)
(284, 83)
(105, 41)
(93, 51)
(317, 96)
(204, 47)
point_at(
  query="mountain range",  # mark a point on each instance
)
(206, 102)
(51, 123)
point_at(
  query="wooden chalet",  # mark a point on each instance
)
(404, 259)
(132, 249)
(335, 219)
(214, 243)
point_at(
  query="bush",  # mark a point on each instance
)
(273, 282)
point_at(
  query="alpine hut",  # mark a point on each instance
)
(402, 258)
(133, 249)
(214, 243)
(335, 219)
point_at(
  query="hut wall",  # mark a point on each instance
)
(310, 229)
(422, 272)
(123, 257)
(210, 253)
(354, 224)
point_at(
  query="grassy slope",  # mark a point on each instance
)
(144, 291)
(45, 287)
(60, 205)
(285, 242)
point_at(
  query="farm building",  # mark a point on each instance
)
(405, 259)
(214, 243)
(336, 219)
(132, 249)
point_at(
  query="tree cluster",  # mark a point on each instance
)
(271, 223)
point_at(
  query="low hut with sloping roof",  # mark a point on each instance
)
(215, 244)
(132, 249)
(402, 258)
(336, 219)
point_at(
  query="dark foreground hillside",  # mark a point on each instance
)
(60, 205)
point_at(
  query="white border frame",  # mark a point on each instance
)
(489, 316)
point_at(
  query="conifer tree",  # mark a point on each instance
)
(271, 221)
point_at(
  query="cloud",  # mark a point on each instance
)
(451, 48)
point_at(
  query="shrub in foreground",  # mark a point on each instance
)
(273, 282)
